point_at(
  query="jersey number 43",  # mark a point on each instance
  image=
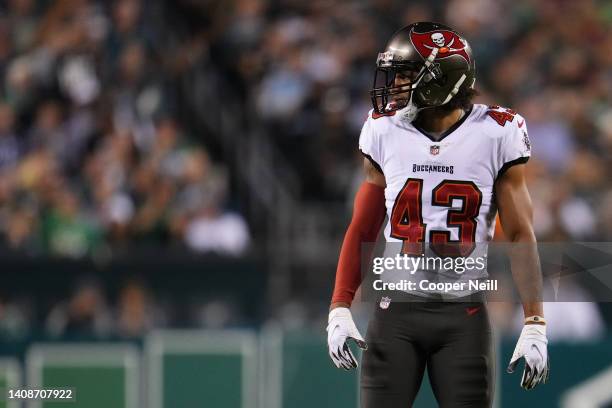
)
(407, 217)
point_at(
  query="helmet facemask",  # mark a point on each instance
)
(390, 93)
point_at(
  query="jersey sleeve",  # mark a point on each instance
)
(369, 143)
(515, 145)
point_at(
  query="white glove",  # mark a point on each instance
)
(532, 346)
(340, 328)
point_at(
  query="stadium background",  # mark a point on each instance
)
(176, 177)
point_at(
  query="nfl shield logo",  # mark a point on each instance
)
(385, 302)
(434, 150)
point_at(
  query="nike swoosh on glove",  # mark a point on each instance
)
(339, 329)
(532, 346)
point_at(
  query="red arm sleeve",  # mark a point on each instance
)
(368, 216)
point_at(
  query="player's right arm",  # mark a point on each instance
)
(368, 216)
(367, 219)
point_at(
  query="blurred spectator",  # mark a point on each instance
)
(13, 321)
(85, 314)
(136, 311)
(223, 233)
(216, 314)
(66, 231)
(201, 222)
(9, 145)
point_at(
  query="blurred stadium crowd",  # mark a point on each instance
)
(95, 145)
(107, 111)
(95, 149)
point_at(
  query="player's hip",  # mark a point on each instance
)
(432, 321)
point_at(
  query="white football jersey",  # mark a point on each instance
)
(439, 194)
(442, 191)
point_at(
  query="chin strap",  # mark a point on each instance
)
(454, 91)
(409, 112)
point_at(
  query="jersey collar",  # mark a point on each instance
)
(448, 131)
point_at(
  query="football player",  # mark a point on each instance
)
(440, 168)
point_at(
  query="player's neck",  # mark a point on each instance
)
(437, 121)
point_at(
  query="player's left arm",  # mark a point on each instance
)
(516, 216)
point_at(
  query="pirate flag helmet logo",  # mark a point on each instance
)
(446, 42)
